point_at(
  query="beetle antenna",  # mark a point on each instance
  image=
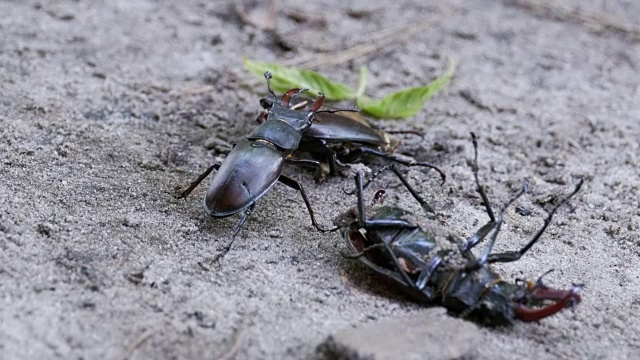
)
(369, 181)
(268, 76)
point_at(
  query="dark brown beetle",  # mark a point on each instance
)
(352, 133)
(256, 163)
(438, 267)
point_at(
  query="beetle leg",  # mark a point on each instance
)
(334, 163)
(478, 263)
(357, 153)
(364, 251)
(515, 255)
(262, 117)
(362, 216)
(236, 230)
(354, 239)
(425, 274)
(479, 235)
(479, 188)
(427, 208)
(306, 162)
(197, 182)
(370, 180)
(302, 162)
(376, 223)
(297, 186)
(320, 146)
(400, 268)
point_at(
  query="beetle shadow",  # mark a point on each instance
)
(372, 283)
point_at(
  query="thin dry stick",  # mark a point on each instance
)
(594, 21)
(234, 348)
(139, 341)
(380, 40)
(267, 24)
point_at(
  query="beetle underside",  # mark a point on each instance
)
(440, 269)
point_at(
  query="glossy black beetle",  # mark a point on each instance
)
(438, 267)
(351, 130)
(255, 164)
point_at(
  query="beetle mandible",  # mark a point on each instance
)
(438, 267)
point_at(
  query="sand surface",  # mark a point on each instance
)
(107, 106)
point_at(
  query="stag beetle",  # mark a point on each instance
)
(438, 267)
(351, 130)
(256, 163)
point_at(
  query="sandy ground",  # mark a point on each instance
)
(107, 106)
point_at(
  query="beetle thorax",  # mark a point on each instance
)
(299, 120)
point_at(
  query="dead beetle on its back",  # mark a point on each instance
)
(438, 267)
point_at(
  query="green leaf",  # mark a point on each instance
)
(405, 103)
(285, 79)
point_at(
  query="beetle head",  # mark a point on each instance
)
(502, 302)
(279, 110)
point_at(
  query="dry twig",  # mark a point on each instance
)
(378, 41)
(233, 350)
(139, 341)
(262, 19)
(594, 21)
